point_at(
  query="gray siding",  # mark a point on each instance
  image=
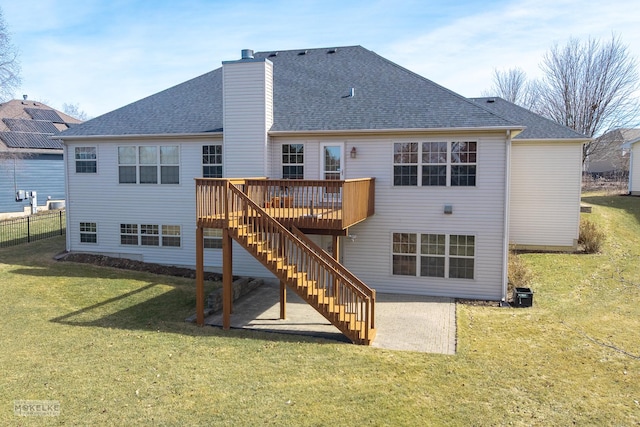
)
(634, 171)
(545, 194)
(42, 173)
(478, 211)
(101, 199)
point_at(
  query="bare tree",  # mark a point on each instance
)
(9, 64)
(590, 87)
(74, 111)
(510, 85)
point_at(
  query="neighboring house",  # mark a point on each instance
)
(545, 184)
(632, 144)
(611, 157)
(448, 174)
(29, 159)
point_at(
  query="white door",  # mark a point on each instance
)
(332, 157)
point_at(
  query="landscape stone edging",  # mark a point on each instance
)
(241, 287)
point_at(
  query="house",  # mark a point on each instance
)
(545, 181)
(632, 144)
(610, 159)
(407, 184)
(29, 159)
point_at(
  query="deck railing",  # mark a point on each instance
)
(306, 204)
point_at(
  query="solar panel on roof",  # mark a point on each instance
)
(30, 140)
(42, 114)
(25, 125)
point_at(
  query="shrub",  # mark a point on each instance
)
(519, 274)
(591, 236)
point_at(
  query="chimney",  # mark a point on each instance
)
(247, 53)
(247, 110)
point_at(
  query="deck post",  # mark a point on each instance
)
(283, 300)
(227, 278)
(335, 249)
(200, 276)
(283, 285)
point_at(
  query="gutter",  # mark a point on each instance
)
(164, 136)
(514, 129)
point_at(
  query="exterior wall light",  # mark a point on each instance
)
(353, 153)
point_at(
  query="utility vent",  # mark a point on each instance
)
(247, 54)
(272, 55)
(491, 101)
(304, 52)
(332, 51)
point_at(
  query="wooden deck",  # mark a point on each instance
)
(321, 207)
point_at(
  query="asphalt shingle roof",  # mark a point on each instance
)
(310, 94)
(537, 127)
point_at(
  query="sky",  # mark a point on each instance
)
(102, 55)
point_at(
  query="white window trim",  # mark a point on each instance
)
(76, 160)
(158, 164)
(447, 256)
(81, 232)
(212, 238)
(221, 164)
(304, 159)
(139, 234)
(448, 165)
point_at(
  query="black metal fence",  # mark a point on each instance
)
(44, 225)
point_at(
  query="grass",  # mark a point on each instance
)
(112, 347)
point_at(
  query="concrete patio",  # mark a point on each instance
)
(403, 322)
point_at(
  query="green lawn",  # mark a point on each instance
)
(111, 346)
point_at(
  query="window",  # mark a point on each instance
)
(129, 234)
(171, 235)
(432, 255)
(213, 238)
(405, 161)
(212, 161)
(88, 232)
(404, 254)
(169, 165)
(293, 161)
(461, 256)
(440, 255)
(440, 164)
(150, 235)
(434, 163)
(86, 160)
(149, 165)
(463, 164)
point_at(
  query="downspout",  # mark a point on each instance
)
(507, 210)
(65, 159)
(631, 168)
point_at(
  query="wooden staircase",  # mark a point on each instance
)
(298, 262)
